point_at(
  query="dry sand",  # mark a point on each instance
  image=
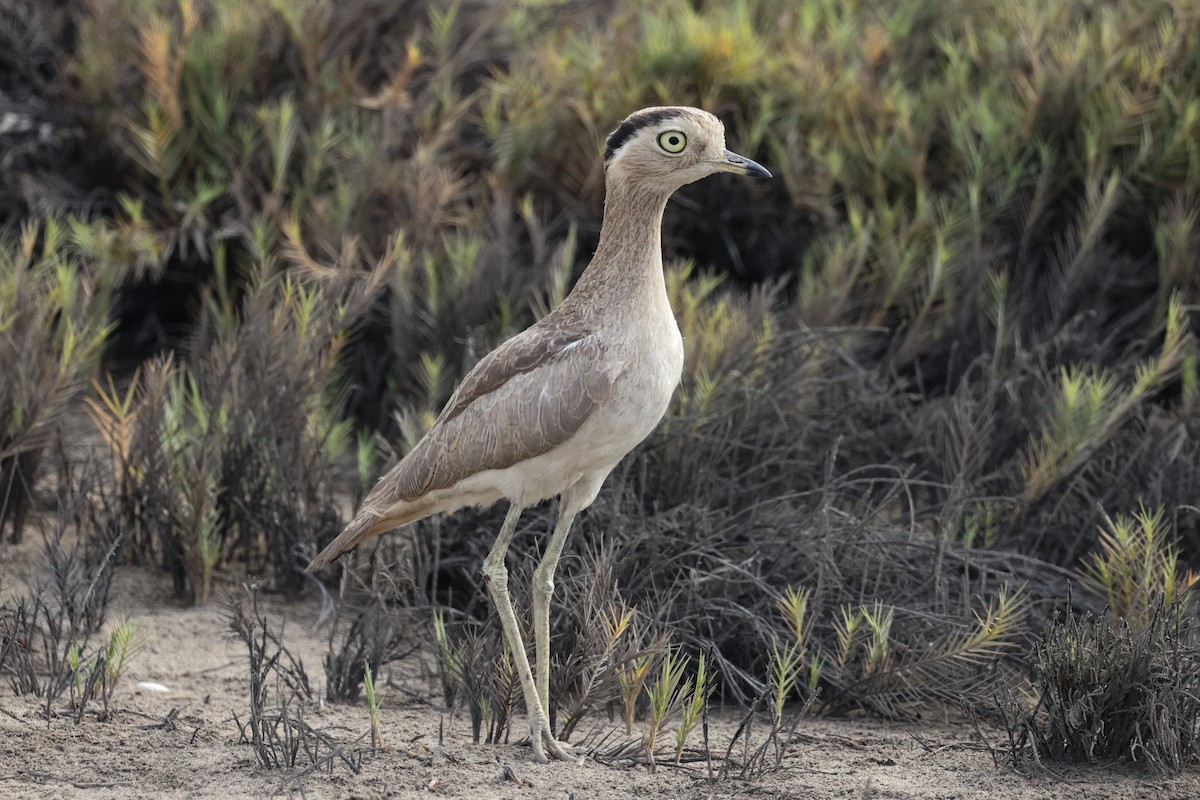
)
(197, 754)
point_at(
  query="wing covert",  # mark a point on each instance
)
(522, 400)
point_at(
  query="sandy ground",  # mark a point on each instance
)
(196, 753)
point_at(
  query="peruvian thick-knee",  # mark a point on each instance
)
(554, 409)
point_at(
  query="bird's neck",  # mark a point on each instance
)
(627, 270)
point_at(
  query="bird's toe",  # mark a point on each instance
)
(561, 750)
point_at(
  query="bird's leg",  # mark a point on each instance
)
(495, 573)
(543, 591)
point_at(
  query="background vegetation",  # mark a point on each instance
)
(934, 369)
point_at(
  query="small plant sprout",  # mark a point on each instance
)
(794, 609)
(439, 632)
(73, 663)
(786, 665)
(450, 658)
(695, 694)
(665, 696)
(115, 417)
(632, 677)
(879, 622)
(814, 670)
(209, 540)
(507, 690)
(372, 706)
(123, 642)
(633, 670)
(616, 623)
(847, 628)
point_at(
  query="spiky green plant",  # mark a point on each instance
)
(793, 607)
(787, 669)
(847, 626)
(665, 694)
(784, 674)
(123, 643)
(632, 677)
(208, 549)
(878, 620)
(53, 325)
(449, 658)
(695, 695)
(235, 449)
(372, 707)
(874, 665)
(1090, 405)
(1137, 569)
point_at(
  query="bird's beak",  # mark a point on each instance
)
(741, 165)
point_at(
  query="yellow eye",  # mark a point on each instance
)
(672, 141)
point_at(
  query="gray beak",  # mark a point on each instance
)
(740, 165)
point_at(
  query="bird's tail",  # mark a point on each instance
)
(366, 525)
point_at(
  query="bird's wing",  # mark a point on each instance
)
(523, 399)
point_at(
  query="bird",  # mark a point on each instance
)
(551, 411)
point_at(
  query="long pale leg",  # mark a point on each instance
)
(543, 591)
(496, 576)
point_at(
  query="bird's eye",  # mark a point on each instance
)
(672, 141)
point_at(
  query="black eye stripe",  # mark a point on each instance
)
(632, 125)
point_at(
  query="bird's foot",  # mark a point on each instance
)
(544, 744)
(562, 750)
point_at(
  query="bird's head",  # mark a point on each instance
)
(668, 147)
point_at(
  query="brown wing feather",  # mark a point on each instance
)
(521, 354)
(523, 399)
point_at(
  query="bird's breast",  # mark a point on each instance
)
(652, 365)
